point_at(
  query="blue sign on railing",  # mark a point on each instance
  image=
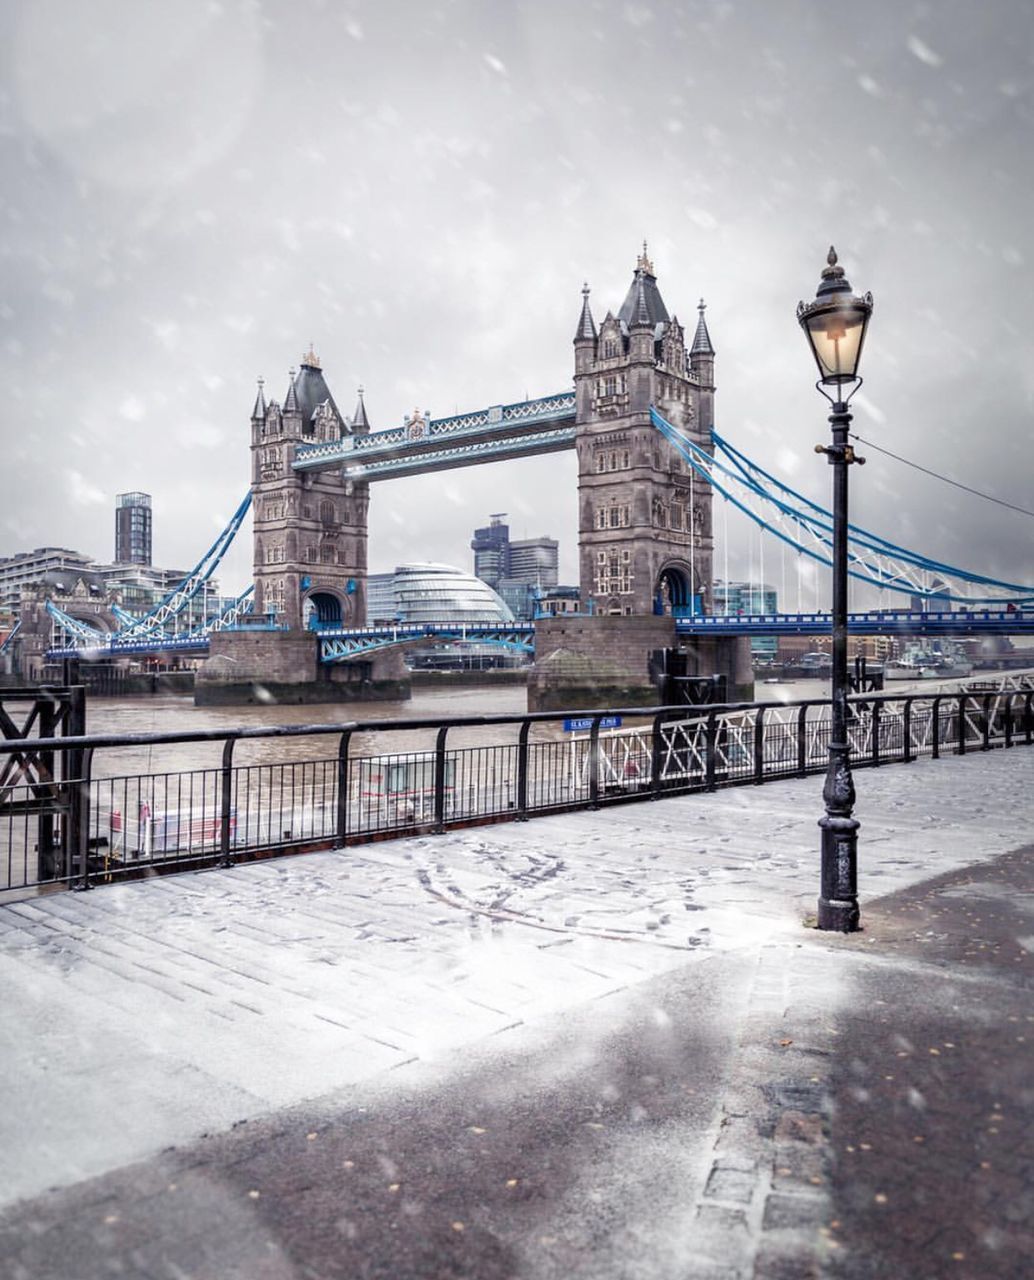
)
(584, 723)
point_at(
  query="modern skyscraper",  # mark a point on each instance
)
(491, 547)
(133, 528)
(535, 561)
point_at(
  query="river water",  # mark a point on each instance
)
(170, 714)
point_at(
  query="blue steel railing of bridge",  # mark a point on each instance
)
(877, 622)
(338, 643)
(112, 823)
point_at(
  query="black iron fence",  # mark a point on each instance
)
(95, 820)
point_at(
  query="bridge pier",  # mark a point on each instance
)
(249, 668)
(588, 661)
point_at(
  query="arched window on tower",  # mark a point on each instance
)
(327, 513)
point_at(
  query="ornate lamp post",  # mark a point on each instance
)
(835, 325)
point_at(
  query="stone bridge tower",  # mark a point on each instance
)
(645, 533)
(310, 526)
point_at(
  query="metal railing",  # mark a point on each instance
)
(113, 822)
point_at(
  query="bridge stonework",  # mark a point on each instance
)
(309, 526)
(645, 529)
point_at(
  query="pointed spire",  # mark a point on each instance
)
(640, 310)
(258, 414)
(360, 422)
(291, 400)
(644, 263)
(701, 339)
(310, 360)
(586, 331)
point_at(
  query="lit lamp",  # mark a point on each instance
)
(835, 325)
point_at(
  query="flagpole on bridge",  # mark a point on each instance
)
(835, 324)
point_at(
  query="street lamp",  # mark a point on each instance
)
(835, 325)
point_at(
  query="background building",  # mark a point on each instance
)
(29, 568)
(133, 528)
(749, 597)
(491, 547)
(521, 571)
(441, 593)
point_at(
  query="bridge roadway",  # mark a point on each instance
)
(599, 1044)
(341, 644)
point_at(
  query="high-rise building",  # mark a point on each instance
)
(535, 561)
(491, 547)
(133, 528)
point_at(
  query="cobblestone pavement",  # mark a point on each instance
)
(538, 1050)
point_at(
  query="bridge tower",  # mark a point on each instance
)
(309, 526)
(645, 532)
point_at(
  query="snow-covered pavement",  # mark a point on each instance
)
(143, 1015)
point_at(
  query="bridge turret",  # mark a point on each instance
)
(360, 422)
(585, 336)
(701, 362)
(258, 414)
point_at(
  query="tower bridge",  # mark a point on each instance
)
(640, 419)
(644, 516)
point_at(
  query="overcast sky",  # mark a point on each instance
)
(192, 192)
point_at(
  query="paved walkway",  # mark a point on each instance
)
(599, 1045)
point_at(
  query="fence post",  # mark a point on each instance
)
(522, 771)
(1007, 718)
(73, 724)
(342, 787)
(802, 740)
(656, 755)
(1028, 720)
(877, 708)
(986, 743)
(225, 799)
(711, 749)
(962, 725)
(439, 778)
(594, 764)
(46, 861)
(936, 728)
(906, 732)
(759, 747)
(79, 813)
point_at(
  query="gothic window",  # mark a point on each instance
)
(327, 513)
(610, 349)
(612, 462)
(328, 553)
(310, 554)
(601, 460)
(624, 460)
(611, 384)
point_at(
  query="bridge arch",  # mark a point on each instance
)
(326, 607)
(676, 589)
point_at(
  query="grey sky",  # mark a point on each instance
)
(194, 191)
